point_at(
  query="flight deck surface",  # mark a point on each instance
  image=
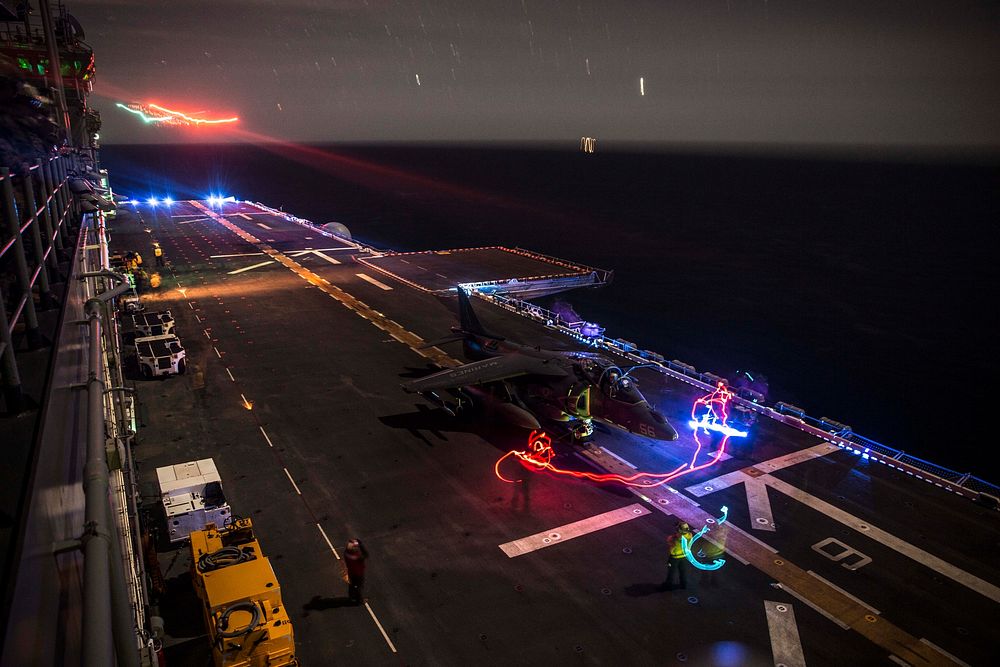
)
(440, 270)
(296, 353)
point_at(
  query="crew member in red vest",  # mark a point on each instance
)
(355, 556)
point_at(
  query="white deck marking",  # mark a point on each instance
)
(322, 255)
(819, 610)
(761, 517)
(217, 353)
(838, 588)
(786, 647)
(611, 453)
(670, 501)
(388, 641)
(261, 224)
(899, 661)
(264, 433)
(244, 216)
(230, 374)
(940, 650)
(737, 476)
(328, 542)
(572, 530)
(725, 456)
(251, 267)
(970, 581)
(369, 279)
(296, 486)
(238, 254)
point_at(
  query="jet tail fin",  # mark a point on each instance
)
(467, 317)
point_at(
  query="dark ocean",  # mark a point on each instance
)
(864, 289)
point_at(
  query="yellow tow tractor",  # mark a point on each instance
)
(246, 620)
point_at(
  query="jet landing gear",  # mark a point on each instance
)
(583, 430)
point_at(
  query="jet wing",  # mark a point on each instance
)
(488, 370)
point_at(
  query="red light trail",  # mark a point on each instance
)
(154, 113)
(539, 454)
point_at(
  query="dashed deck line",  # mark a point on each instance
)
(392, 647)
(328, 542)
(294, 485)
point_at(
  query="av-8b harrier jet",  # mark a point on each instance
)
(521, 384)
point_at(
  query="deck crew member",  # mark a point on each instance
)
(158, 253)
(355, 556)
(677, 566)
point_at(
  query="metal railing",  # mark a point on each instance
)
(34, 205)
(36, 210)
(965, 484)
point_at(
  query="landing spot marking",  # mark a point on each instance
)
(269, 443)
(251, 267)
(572, 530)
(786, 647)
(261, 224)
(771, 465)
(931, 561)
(611, 453)
(322, 255)
(369, 279)
(759, 504)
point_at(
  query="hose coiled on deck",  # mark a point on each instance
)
(223, 558)
(239, 606)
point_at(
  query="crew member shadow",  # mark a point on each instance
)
(642, 590)
(320, 603)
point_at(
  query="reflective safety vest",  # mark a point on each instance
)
(676, 548)
(157, 252)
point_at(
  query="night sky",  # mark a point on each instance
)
(913, 73)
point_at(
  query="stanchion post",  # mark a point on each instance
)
(46, 299)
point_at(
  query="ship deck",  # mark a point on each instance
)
(296, 351)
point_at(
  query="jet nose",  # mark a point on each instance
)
(670, 434)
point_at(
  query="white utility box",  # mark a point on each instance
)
(192, 497)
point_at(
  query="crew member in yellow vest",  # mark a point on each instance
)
(677, 566)
(158, 254)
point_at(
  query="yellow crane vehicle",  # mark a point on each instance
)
(246, 620)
